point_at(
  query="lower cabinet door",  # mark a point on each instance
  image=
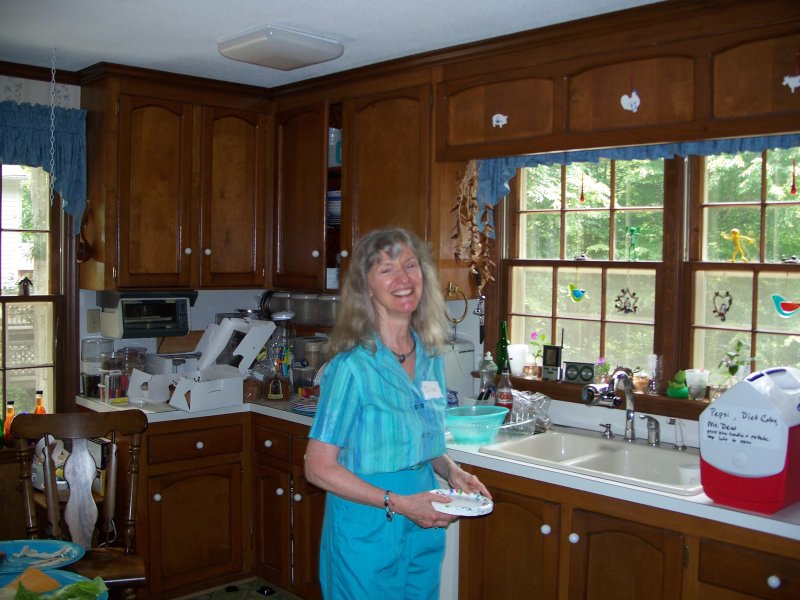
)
(621, 559)
(513, 553)
(308, 509)
(195, 527)
(272, 524)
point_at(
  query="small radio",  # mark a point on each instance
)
(551, 363)
(578, 372)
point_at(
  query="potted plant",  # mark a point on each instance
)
(537, 342)
(601, 371)
(734, 366)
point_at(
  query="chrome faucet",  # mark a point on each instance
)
(653, 430)
(601, 394)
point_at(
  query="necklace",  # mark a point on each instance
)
(402, 357)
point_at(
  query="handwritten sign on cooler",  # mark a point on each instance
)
(743, 427)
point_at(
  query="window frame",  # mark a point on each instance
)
(63, 294)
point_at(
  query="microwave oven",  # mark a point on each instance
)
(145, 314)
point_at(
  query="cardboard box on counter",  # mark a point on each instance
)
(212, 385)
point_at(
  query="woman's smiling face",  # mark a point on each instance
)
(395, 284)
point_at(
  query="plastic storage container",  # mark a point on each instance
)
(327, 309)
(279, 302)
(304, 307)
(92, 351)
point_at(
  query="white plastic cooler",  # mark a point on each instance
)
(750, 442)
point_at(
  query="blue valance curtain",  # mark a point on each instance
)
(495, 173)
(25, 140)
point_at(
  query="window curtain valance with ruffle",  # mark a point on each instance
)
(25, 140)
(494, 174)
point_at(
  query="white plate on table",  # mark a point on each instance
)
(464, 504)
(33, 550)
(63, 577)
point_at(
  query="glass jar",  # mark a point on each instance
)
(280, 346)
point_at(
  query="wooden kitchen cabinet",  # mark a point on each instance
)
(288, 511)
(479, 111)
(386, 163)
(195, 519)
(385, 178)
(299, 222)
(729, 571)
(547, 541)
(618, 558)
(177, 184)
(513, 554)
(538, 547)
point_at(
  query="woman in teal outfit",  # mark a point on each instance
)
(378, 437)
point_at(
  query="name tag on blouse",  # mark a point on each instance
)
(431, 390)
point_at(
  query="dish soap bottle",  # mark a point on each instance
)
(488, 375)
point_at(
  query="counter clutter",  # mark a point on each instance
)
(785, 523)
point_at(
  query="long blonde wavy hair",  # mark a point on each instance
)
(356, 322)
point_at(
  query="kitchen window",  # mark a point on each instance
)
(30, 299)
(633, 257)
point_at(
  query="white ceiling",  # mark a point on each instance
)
(181, 36)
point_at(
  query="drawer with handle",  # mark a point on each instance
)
(272, 443)
(748, 571)
(167, 447)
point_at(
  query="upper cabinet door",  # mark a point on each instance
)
(386, 164)
(300, 197)
(232, 221)
(490, 115)
(155, 187)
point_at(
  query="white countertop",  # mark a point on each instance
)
(785, 523)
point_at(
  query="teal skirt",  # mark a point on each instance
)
(364, 556)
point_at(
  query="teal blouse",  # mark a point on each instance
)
(381, 420)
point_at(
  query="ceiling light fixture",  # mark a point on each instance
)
(279, 48)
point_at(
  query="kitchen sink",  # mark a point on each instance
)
(586, 452)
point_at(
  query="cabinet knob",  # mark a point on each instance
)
(574, 538)
(267, 443)
(199, 445)
(157, 497)
(187, 250)
(344, 254)
(774, 582)
(545, 529)
(207, 251)
(297, 497)
(279, 492)
(315, 253)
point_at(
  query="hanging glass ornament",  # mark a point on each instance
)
(576, 294)
(626, 301)
(785, 308)
(722, 302)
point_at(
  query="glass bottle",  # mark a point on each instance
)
(40, 409)
(7, 437)
(501, 356)
(504, 396)
(488, 375)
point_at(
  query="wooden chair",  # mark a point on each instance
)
(113, 556)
